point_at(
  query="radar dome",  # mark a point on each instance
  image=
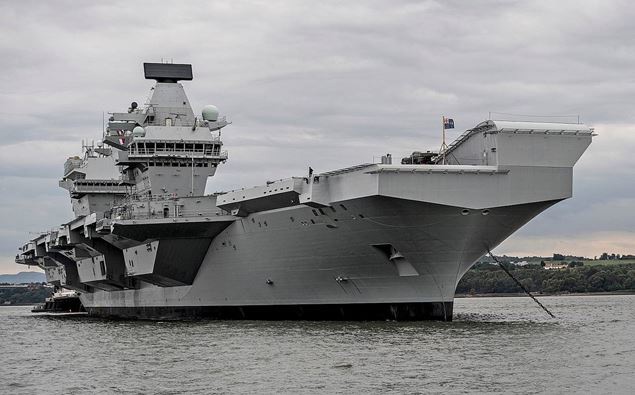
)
(210, 113)
(138, 131)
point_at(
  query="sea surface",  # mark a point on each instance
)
(494, 345)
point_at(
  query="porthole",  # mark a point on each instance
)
(465, 211)
(485, 212)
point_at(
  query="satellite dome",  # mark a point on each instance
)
(210, 113)
(138, 131)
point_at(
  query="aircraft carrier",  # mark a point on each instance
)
(369, 242)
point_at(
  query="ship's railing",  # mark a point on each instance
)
(158, 214)
(150, 150)
(98, 186)
(270, 182)
(186, 153)
(136, 197)
(464, 136)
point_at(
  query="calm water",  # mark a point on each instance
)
(505, 345)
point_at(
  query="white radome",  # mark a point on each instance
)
(138, 131)
(210, 113)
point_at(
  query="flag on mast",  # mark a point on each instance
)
(448, 123)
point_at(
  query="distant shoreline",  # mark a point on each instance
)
(20, 304)
(516, 294)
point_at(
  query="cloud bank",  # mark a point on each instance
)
(326, 84)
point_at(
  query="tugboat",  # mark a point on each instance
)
(62, 301)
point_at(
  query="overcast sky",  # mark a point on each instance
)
(325, 84)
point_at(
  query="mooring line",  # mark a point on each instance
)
(519, 284)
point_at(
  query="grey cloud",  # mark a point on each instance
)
(326, 84)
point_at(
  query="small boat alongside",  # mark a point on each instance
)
(62, 301)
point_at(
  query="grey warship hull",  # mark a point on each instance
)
(369, 242)
(314, 272)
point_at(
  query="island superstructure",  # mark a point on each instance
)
(371, 241)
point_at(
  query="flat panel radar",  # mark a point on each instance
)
(167, 72)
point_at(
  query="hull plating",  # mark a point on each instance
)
(302, 257)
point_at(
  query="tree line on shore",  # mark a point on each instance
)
(487, 278)
(14, 295)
